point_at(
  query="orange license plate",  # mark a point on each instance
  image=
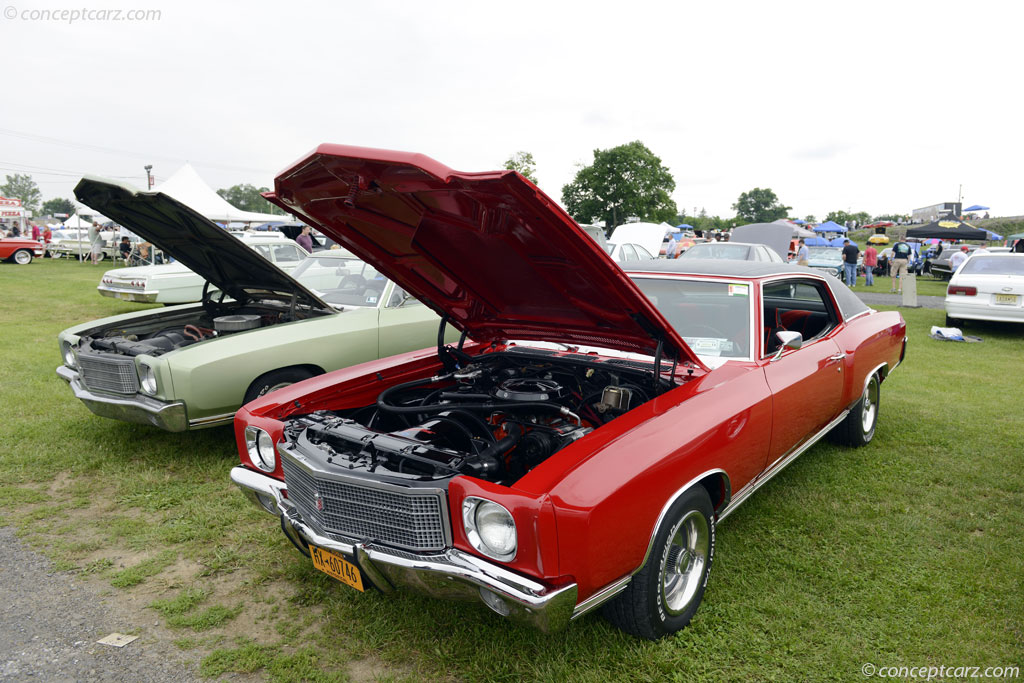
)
(334, 564)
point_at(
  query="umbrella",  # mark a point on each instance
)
(684, 225)
(799, 221)
(976, 207)
(878, 239)
(948, 228)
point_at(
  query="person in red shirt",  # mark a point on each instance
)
(870, 263)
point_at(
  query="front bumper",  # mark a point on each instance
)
(451, 574)
(170, 416)
(128, 295)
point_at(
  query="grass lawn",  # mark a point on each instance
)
(908, 552)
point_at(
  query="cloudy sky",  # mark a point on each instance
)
(874, 106)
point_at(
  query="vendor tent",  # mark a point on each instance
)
(948, 228)
(830, 226)
(188, 188)
(816, 242)
(81, 221)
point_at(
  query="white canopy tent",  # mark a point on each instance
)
(188, 188)
(82, 221)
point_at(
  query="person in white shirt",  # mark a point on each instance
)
(957, 259)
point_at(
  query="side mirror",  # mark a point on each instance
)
(787, 340)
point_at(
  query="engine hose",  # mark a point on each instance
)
(382, 397)
(499, 447)
(489, 406)
(484, 429)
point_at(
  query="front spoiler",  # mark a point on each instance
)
(138, 408)
(451, 574)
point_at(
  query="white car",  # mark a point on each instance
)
(627, 252)
(75, 243)
(735, 251)
(175, 283)
(987, 287)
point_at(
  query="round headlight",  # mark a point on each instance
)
(261, 449)
(69, 356)
(147, 379)
(489, 528)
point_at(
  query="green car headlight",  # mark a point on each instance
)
(69, 355)
(261, 449)
(147, 379)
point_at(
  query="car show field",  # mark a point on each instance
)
(904, 552)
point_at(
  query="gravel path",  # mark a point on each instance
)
(872, 299)
(50, 622)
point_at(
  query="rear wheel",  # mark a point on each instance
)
(664, 595)
(274, 380)
(859, 426)
(953, 322)
(23, 257)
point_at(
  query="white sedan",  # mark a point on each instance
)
(627, 252)
(987, 287)
(175, 283)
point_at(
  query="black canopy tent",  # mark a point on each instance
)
(948, 228)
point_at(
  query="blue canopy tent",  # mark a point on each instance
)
(993, 235)
(838, 242)
(976, 207)
(816, 242)
(683, 226)
(830, 226)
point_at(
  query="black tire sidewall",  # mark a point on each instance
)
(261, 385)
(663, 623)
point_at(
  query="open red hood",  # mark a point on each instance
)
(490, 250)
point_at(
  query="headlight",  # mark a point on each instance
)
(261, 449)
(69, 356)
(490, 528)
(147, 378)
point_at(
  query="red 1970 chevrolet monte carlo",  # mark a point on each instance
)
(580, 444)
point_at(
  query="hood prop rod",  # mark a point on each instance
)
(657, 365)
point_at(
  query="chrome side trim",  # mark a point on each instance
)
(745, 492)
(601, 597)
(211, 421)
(675, 496)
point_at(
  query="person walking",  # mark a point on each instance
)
(901, 253)
(304, 240)
(801, 253)
(850, 254)
(670, 248)
(870, 263)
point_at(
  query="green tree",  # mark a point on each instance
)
(523, 163)
(809, 218)
(21, 186)
(893, 217)
(760, 206)
(624, 181)
(57, 205)
(843, 217)
(247, 198)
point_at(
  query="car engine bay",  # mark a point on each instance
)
(495, 418)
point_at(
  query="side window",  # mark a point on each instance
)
(628, 253)
(286, 252)
(399, 297)
(796, 306)
(263, 250)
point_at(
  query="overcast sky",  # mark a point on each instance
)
(874, 106)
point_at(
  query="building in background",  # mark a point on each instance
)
(927, 214)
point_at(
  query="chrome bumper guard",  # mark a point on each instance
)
(138, 408)
(450, 574)
(128, 295)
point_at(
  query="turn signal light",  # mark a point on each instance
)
(963, 291)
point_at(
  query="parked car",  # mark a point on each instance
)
(986, 287)
(828, 260)
(739, 251)
(627, 253)
(20, 250)
(939, 267)
(580, 448)
(192, 366)
(176, 283)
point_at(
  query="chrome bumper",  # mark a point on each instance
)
(138, 408)
(128, 295)
(451, 574)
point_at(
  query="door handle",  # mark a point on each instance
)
(838, 356)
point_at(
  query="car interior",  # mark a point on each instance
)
(795, 306)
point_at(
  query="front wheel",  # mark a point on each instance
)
(859, 426)
(274, 380)
(23, 257)
(663, 596)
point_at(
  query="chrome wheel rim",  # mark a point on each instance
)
(869, 407)
(22, 258)
(279, 385)
(683, 569)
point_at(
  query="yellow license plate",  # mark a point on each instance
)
(1006, 299)
(334, 564)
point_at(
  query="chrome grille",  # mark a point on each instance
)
(412, 519)
(108, 373)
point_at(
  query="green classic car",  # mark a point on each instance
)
(256, 329)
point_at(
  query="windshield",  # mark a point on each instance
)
(824, 254)
(993, 265)
(736, 252)
(341, 281)
(713, 318)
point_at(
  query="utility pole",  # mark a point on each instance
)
(149, 176)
